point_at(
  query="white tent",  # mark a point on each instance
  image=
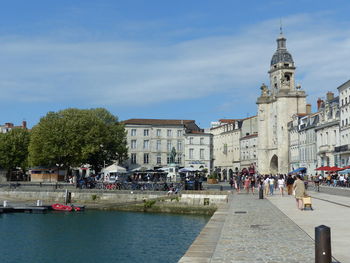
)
(114, 169)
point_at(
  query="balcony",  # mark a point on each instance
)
(342, 148)
(325, 148)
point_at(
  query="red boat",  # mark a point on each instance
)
(60, 207)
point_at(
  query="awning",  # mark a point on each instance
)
(329, 169)
(346, 171)
(299, 170)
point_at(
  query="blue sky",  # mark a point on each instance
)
(184, 59)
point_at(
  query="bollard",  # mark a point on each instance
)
(323, 252)
(39, 203)
(5, 203)
(261, 193)
(66, 197)
(221, 188)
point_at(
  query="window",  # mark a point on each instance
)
(158, 145)
(145, 144)
(133, 132)
(201, 154)
(191, 153)
(225, 148)
(133, 144)
(168, 159)
(159, 158)
(201, 141)
(168, 133)
(133, 158)
(145, 158)
(159, 132)
(191, 140)
(179, 133)
(179, 146)
(179, 159)
(168, 144)
(145, 132)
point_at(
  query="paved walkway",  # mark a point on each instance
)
(325, 213)
(255, 231)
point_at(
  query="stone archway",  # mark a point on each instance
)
(274, 164)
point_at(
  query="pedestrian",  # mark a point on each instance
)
(271, 184)
(231, 182)
(290, 182)
(238, 182)
(266, 185)
(252, 183)
(281, 184)
(247, 184)
(299, 188)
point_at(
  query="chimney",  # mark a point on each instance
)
(308, 109)
(330, 95)
(319, 103)
(24, 124)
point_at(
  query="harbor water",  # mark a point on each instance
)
(97, 236)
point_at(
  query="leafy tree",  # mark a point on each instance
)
(14, 149)
(73, 137)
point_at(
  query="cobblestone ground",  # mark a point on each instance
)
(263, 234)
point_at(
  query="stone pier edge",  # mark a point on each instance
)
(203, 248)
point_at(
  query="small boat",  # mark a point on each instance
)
(69, 208)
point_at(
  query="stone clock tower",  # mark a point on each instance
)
(276, 106)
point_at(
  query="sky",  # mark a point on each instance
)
(202, 60)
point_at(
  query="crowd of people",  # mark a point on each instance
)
(335, 180)
(269, 183)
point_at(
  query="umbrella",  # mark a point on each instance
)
(187, 169)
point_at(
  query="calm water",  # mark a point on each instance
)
(97, 236)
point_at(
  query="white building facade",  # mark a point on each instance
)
(198, 150)
(343, 149)
(226, 147)
(327, 131)
(151, 141)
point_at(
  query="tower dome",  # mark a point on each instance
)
(281, 55)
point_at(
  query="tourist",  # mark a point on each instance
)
(317, 183)
(290, 182)
(299, 189)
(281, 184)
(238, 183)
(271, 184)
(231, 182)
(247, 183)
(266, 185)
(252, 183)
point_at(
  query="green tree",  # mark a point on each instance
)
(14, 150)
(73, 137)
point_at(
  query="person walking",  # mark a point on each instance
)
(281, 184)
(271, 184)
(290, 182)
(266, 185)
(299, 188)
(252, 183)
(247, 183)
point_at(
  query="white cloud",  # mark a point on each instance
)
(120, 73)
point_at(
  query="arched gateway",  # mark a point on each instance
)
(274, 164)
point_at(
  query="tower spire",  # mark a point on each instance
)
(281, 31)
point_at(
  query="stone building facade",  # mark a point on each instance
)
(302, 142)
(343, 149)
(226, 147)
(327, 131)
(151, 141)
(198, 150)
(276, 106)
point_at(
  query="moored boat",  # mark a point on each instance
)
(61, 207)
